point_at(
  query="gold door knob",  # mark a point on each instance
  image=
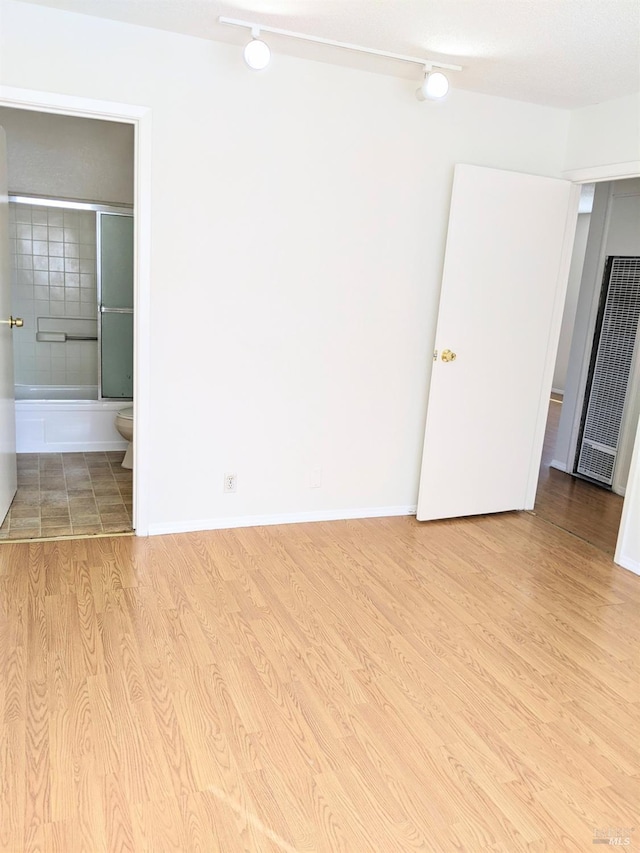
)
(14, 321)
(447, 355)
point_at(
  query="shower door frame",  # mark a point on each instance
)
(140, 118)
(111, 211)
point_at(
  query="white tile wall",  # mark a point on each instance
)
(53, 253)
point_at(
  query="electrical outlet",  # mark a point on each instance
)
(230, 482)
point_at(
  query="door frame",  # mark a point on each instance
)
(140, 118)
(627, 536)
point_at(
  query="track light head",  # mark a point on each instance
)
(257, 56)
(256, 52)
(434, 87)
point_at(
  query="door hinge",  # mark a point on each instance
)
(435, 355)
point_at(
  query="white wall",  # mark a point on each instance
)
(623, 234)
(68, 157)
(298, 231)
(628, 547)
(605, 134)
(571, 303)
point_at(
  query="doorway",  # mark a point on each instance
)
(73, 467)
(582, 507)
(72, 374)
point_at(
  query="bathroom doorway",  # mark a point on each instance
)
(74, 289)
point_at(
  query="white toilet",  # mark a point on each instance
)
(124, 425)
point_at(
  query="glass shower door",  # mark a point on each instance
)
(115, 295)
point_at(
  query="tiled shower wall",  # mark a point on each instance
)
(53, 254)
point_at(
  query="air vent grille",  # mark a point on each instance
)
(611, 370)
(598, 462)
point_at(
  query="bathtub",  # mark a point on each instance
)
(65, 418)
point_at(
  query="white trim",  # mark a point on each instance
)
(47, 201)
(53, 102)
(140, 117)
(285, 518)
(142, 325)
(628, 563)
(594, 281)
(594, 174)
(71, 446)
(559, 391)
(560, 466)
(553, 337)
(629, 520)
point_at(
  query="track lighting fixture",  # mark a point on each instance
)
(434, 86)
(256, 52)
(257, 55)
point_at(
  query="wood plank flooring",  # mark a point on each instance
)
(582, 508)
(346, 687)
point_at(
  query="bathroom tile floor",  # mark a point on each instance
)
(69, 494)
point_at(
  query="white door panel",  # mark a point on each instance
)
(504, 280)
(7, 403)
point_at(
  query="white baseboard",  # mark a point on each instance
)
(561, 466)
(559, 391)
(628, 563)
(286, 518)
(69, 446)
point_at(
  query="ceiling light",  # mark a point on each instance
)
(434, 87)
(257, 53)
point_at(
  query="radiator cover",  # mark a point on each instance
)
(610, 368)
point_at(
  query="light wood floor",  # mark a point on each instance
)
(378, 685)
(582, 508)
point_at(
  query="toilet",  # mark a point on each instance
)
(124, 425)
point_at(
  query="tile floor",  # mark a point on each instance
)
(65, 494)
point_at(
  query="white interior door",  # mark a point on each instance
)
(8, 478)
(506, 268)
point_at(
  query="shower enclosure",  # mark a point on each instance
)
(72, 283)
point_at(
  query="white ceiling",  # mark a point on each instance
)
(565, 53)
